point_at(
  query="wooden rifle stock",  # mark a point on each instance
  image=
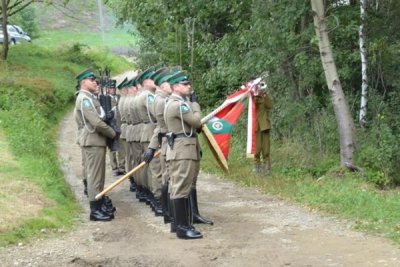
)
(123, 178)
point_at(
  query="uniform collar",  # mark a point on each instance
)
(87, 93)
(173, 95)
(161, 93)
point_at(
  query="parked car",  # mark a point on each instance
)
(15, 35)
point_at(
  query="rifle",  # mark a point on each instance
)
(105, 102)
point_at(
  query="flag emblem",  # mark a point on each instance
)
(217, 126)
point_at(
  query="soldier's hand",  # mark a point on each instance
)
(109, 115)
(193, 97)
(148, 155)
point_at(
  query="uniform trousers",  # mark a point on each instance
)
(182, 174)
(136, 150)
(117, 158)
(262, 146)
(84, 172)
(96, 169)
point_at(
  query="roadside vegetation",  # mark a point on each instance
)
(37, 87)
(314, 181)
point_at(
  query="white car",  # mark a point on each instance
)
(15, 35)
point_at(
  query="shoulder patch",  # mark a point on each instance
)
(184, 108)
(86, 103)
(150, 99)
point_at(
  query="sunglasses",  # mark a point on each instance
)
(92, 79)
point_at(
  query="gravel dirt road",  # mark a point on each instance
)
(250, 229)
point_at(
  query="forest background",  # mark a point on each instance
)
(222, 44)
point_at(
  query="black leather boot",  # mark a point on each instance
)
(138, 190)
(149, 196)
(184, 229)
(171, 215)
(158, 211)
(132, 187)
(85, 192)
(108, 204)
(195, 209)
(164, 203)
(142, 194)
(95, 212)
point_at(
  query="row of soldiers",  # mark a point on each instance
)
(158, 111)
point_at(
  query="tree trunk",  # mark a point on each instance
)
(363, 52)
(4, 52)
(340, 105)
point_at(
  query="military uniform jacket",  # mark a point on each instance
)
(80, 125)
(134, 133)
(121, 106)
(127, 105)
(114, 104)
(144, 103)
(158, 112)
(263, 105)
(88, 112)
(182, 117)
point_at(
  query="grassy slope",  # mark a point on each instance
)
(37, 87)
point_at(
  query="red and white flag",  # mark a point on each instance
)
(218, 125)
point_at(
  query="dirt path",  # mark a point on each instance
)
(251, 229)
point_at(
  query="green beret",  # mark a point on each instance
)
(112, 83)
(131, 82)
(165, 75)
(157, 73)
(162, 77)
(136, 80)
(146, 74)
(178, 77)
(84, 75)
(121, 85)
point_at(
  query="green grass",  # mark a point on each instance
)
(37, 87)
(113, 38)
(313, 180)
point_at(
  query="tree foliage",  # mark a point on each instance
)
(224, 43)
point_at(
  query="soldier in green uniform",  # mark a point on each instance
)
(117, 158)
(182, 119)
(93, 142)
(262, 153)
(159, 140)
(78, 133)
(131, 135)
(152, 172)
(142, 192)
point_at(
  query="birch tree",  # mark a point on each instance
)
(363, 53)
(340, 105)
